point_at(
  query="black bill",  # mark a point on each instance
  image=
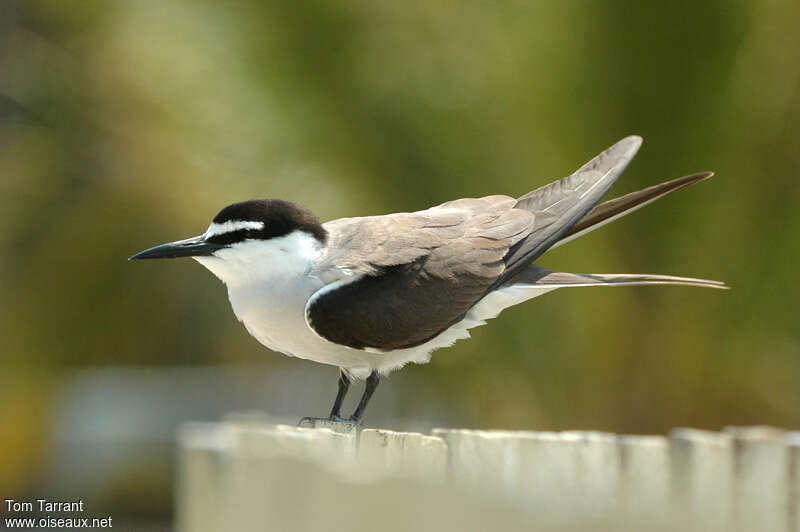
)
(191, 247)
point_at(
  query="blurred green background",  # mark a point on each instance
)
(129, 123)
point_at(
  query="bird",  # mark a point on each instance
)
(371, 294)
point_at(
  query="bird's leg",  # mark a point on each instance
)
(344, 384)
(372, 383)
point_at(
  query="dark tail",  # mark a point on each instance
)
(610, 210)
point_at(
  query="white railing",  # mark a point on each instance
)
(256, 476)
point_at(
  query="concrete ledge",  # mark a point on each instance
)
(247, 474)
(403, 455)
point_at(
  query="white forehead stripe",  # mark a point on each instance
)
(231, 226)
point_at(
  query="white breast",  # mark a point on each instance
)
(269, 283)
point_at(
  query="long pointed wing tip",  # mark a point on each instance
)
(631, 142)
(615, 157)
(624, 150)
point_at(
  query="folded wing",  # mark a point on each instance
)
(404, 278)
(399, 280)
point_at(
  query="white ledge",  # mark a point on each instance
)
(247, 474)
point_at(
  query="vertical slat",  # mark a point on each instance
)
(702, 479)
(761, 484)
(562, 478)
(477, 457)
(532, 469)
(598, 473)
(550, 467)
(645, 481)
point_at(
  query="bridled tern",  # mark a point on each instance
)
(371, 294)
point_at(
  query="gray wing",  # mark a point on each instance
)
(561, 204)
(415, 273)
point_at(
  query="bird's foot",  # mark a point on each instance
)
(314, 422)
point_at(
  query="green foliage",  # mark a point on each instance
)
(125, 124)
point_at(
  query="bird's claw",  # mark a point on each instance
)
(311, 422)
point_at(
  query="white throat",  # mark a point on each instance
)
(278, 259)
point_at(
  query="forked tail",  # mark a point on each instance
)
(535, 281)
(610, 210)
(542, 277)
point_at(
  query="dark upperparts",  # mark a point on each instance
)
(279, 217)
